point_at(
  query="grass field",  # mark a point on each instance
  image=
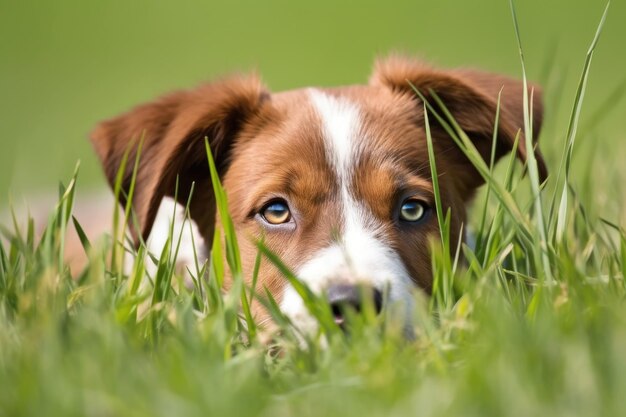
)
(528, 326)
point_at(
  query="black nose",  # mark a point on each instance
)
(345, 296)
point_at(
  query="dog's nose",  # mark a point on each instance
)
(344, 296)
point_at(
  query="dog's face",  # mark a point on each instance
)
(335, 181)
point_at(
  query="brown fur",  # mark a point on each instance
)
(269, 146)
(472, 98)
(171, 132)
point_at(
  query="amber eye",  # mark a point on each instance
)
(412, 210)
(276, 212)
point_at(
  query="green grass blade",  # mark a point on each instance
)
(232, 247)
(84, 240)
(531, 160)
(492, 158)
(316, 307)
(572, 129)
(434, 175)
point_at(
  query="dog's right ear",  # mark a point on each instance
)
(472, 99)
(172, 132)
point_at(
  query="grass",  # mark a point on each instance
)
(533, 323)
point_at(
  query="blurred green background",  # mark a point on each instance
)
(66, 64)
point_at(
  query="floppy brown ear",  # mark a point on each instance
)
(472, 99)
(172, 131)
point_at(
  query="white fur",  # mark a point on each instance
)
(340, 123)
(360, 255)
(170, 211)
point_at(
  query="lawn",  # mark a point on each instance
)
(532, 322)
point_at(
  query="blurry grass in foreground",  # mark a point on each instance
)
(533, 324)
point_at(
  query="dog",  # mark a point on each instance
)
(336, 181)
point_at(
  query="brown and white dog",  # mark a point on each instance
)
(336, 180)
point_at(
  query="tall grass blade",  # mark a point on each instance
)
(232, 248)
(492, 158)
(531, 160)
(572, 129)
(434, 175)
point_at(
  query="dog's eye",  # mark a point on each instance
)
(276, 212)
(412, 210)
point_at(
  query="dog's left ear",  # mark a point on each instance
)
(472, 99)
(172, 132)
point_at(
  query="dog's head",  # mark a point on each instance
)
(335, 180)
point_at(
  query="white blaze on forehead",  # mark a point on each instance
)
(360, 255)
(341, 123)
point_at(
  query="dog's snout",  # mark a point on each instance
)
(355, 297)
